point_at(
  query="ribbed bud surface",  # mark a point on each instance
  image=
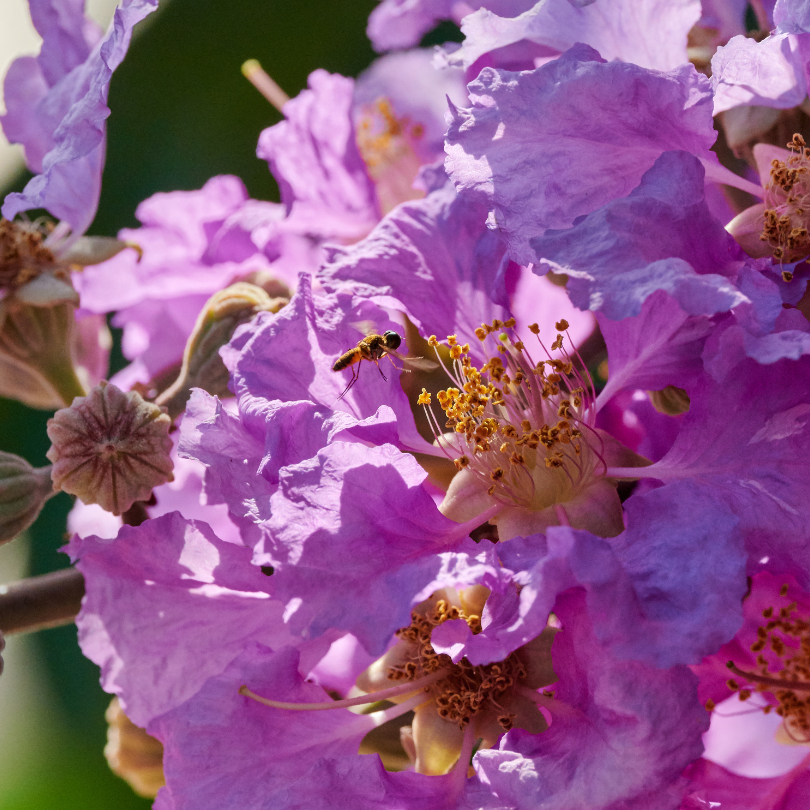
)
(110, 448)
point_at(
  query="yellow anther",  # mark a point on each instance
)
(461, 462)
(496, 474)
(452, 340)
(561, 325)
(424, 398)
(433, 340)
(510, 324)
(481, 333)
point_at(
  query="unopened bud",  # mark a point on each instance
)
(133, 754)
(202, 365)
(23, 492)
(670, 401)
(110, 448)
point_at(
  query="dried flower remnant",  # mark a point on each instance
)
(782, 675)
(110, 448)
(453, 704)
(133, 754)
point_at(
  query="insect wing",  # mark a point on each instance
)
(365, 328)
(419, 363)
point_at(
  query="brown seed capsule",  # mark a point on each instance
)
(110, 448)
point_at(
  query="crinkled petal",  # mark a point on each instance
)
(660, 346)
(747, 438)
(769, 73)
(289, 356)
(621, 731)
(354, 521)
(314, 157)
(546, 146)
(169, 591)
(434, 259)
(660, 237)
(70, 179)
(792, 16)
(649, 33)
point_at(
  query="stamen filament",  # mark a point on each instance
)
(361, 700)
(779, 683)
(257, 76)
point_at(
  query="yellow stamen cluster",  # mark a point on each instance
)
(787, 198)
(380, 134)
(510, 412)
(466, 689)
(785, 638)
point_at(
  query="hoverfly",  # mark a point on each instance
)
(374, 347)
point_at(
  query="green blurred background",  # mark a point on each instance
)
(181, 112)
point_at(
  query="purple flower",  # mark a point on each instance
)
(57, 107)
(546, 146)
(649, 33)
(315, 160)
(193, 243)
(301, 754)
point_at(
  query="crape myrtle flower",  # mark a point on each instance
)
(57, 107)
(599, 707)
(193, 244)
(349, 151)
(649, 33)
(311, 476)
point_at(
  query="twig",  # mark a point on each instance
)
(40, 602)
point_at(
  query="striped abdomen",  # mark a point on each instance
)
(354, 355)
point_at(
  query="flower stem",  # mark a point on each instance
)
(40, 602)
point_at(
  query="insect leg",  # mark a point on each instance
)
(380, 370)
(353, 380)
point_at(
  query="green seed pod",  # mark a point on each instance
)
(23, 492)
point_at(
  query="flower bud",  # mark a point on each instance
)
(110, 448)
(132, 754)
(23, 492)
(202, 365)
(671, 401)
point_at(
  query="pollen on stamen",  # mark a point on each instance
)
(513, 416)
(787, 197)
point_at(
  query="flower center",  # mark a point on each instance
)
(522, 427)
(465, 689)
(22, 255)
(387, 145)
(783, 668)
(787, 201)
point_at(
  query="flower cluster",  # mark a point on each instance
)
(539, 554)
